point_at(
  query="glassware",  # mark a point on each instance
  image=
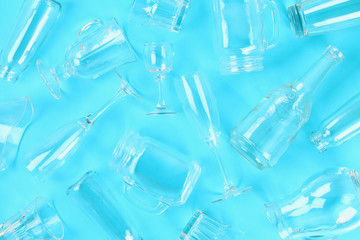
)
(100, 47)
(165, 14)
(39, 220)
(202, 227)
(159, 58)
(241, 37)
(35, 21)
(155, 175)
(58, 147)
(281, 115)
(339, 127)
(312, 17)
(94, 198)
(15, 116)
(325, 207)
(199, 105)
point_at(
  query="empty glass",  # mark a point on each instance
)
(165, 14)
(155, 175)
(100, 47)
(35, 21)
(15, 116)
(339, 127)
(39, 220)
(202, 227)
(325, 207)
(312, 17)
(240, 30)
(199, 104)
(159, 58)
(94, 198)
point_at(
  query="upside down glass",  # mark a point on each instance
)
(325, 207)
(101, 46)
(241, 37)
(39, 220)
(35, 21)
(155, 175)
(312, 17)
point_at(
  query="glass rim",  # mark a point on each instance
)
(52, 2)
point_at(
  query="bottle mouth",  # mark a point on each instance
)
(297, 20)
(335, 53)
(8, 75)
(236, 64)
(317, 139)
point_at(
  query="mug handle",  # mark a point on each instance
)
(273, 41)
(134, 194)
(91, 26)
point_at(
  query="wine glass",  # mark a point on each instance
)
(159, 57)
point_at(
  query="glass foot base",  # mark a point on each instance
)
(232, 192)
(50, 79)
(161, 111)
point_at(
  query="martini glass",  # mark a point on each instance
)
(199, 105)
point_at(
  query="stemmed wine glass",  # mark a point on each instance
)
(159, 57)
(199, 105)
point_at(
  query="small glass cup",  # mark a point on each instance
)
(155, 175)
(39, 220)
(165, 14)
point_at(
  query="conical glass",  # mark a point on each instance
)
(100, 47)
(35, 21)
(264, 135)
(325, 207)
(58, 147)
(15, 116)
(199, 105)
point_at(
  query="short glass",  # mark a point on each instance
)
(35, 21)
(39, 220)
(155, 175)
(165, 14)
(241, 36)
(15, 116)
(325, 207)
(101, 46)
(94, 198)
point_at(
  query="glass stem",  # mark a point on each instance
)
(160, 82)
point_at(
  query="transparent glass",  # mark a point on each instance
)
(15, 116)
(159, 59)
(339, 127)
(155, 175)
(325, 207)
(312, 17)
(100, 47)
(39, 220)
(281, 115)
(95, 199)
(199, 105)
(36, 18)
(202, 227)
(57, 148)
(165, 14)
(241, 37)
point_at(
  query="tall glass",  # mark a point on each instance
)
(241, 37)
(35, 21)
(312, 17)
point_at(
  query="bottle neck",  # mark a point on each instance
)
(64, 71)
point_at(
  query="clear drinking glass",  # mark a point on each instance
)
(35, 21)
(58, 147)
(165, 14)
(281, 115)
(155, 175)
(100, 47)
(325, 207)
(199, 105)
(312, 17)
(159, 59)
(202, 227)
(94, 198)
(39, 220)
(339, 127)
(15, 116)
(241, 37)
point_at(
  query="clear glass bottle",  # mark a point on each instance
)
(263, 136)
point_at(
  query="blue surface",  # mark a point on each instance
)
(236, 96)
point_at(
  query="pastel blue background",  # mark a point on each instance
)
(236, 95)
